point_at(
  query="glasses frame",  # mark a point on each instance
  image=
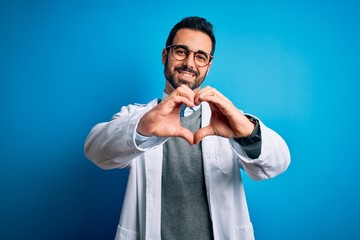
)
(171, 47)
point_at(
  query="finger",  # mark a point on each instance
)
(202, 133)
(207, 94)
(174, 102)
(184, 95)
(183, 100)
(205, 90)
(216, 100)
(187, 135)
(185, 91)
(185, 88)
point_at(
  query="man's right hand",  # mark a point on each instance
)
(164, 119)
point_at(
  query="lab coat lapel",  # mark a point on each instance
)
(153, 168)
(207, 146)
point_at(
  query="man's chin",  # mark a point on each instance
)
(187, 83)
(177, 83)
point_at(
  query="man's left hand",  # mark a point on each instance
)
(226, 120)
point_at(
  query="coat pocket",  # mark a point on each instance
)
(244, 233)
(124, 234)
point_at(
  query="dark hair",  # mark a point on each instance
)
(194, 23)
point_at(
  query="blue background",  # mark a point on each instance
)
(67, 65)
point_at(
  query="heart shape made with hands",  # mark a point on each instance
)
(164, 119)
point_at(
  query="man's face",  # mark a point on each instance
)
(186, 71)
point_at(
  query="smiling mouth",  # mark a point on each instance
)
(186, 74)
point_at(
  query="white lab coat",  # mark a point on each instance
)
(112, 145)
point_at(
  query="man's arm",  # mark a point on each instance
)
(274, 155)
(262, 159)
(252, 143)
(112, 144)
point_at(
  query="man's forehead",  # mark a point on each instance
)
(195, 40)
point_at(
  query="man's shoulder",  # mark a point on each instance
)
(152, 103)
(136, 105)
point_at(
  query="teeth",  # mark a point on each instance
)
(187, 74)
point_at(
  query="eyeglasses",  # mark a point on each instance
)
(181, 52)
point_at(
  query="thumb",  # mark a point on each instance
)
(202, 133)
(187, 135)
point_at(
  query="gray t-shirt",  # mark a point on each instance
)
(184, 207)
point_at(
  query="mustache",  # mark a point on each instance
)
(182, 68)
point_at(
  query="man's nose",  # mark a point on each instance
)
(189, 61)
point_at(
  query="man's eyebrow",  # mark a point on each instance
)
(198, 51)
(203, 52)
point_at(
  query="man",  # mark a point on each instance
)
(184, 170)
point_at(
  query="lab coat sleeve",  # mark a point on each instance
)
(273, 160)
(112, 144)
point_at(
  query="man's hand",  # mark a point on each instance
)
(164, 119)
(226, 120)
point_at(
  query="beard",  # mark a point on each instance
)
(175, 81)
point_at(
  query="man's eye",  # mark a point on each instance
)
(180, 51)
(201, 57)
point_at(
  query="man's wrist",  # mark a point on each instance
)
(254, 137)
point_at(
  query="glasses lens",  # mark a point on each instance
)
(201, 59)
(180, 53)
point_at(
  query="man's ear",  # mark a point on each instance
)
(164, 56)
(208, 70)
